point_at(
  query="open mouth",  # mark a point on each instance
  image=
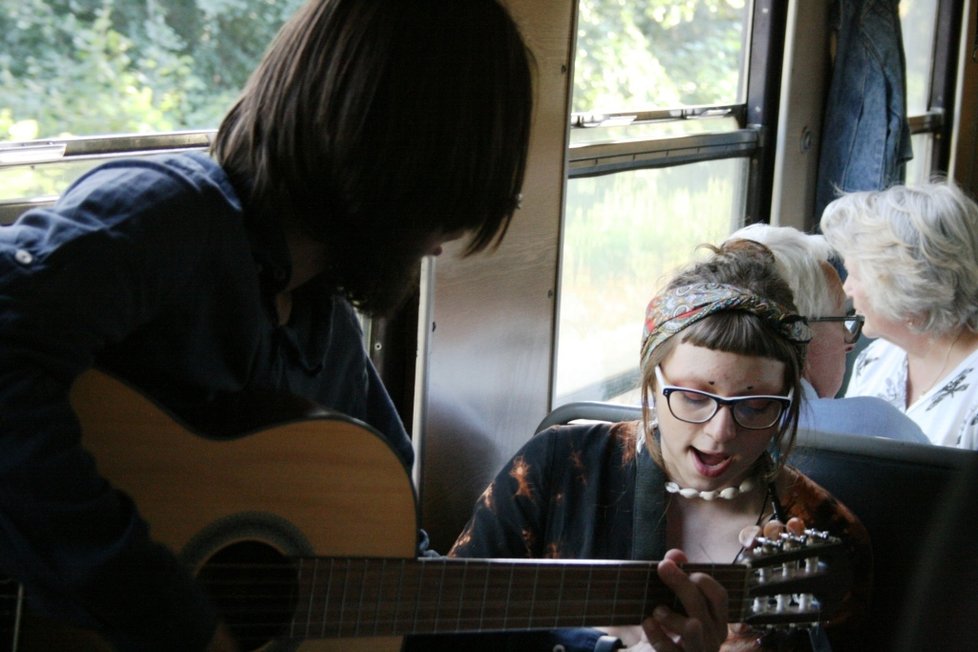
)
(710, 465)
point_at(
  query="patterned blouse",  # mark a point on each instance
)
(947, 412)
(570, 493)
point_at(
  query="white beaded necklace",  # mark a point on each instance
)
(727, 494)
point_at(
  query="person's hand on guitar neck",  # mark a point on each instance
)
(704, 626)
(702, 629)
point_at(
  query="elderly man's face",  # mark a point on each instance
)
(825, 364)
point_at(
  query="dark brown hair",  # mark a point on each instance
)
(375, 124)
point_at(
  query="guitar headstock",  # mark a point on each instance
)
(796, 580)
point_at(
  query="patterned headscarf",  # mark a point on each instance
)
(676, 308)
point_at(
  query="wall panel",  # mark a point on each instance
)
(486, 322)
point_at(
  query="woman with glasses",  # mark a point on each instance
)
(703, 471)
(803, 260)
(911, 254)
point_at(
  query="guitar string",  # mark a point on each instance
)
(488, 624)
(642, 585)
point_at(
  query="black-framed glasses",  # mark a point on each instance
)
(852, 323)
(757, 412)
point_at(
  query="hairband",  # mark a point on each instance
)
(676, 308)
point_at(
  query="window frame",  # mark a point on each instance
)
(757, 117)
(93, 149)
(757, 120)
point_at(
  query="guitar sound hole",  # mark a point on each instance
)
(254, 588)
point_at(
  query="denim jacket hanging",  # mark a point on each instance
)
(865, 135)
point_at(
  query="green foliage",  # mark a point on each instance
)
(83, 67)
(624, 234)
(657, 53)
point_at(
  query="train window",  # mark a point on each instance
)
(918, 24)
(93, 67)
(623, 233)
(920, 167)
(76, 73)
(918, 21)
(659, 160)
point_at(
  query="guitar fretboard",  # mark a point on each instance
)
(381, 597)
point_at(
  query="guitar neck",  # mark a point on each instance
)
(381, 597)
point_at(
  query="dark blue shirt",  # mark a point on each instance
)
(156, 271)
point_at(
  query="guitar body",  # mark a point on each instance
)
(325, 486)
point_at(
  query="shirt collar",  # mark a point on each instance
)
(808, 392)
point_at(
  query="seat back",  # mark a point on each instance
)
(894, 487)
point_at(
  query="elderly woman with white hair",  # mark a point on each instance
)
(912, 259)
(803, 260)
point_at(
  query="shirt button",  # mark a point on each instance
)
(23, 257)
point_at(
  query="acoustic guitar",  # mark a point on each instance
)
(304, 534)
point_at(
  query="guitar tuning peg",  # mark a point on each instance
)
(817, 535)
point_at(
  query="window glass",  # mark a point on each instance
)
(918, 168)
(659, 53)
(34, 182)
(623, 234)
(87, 67)
(918, 21)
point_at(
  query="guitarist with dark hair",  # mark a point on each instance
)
(372, 132)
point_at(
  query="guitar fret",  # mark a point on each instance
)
(305, 587)
(648, 582)
(359, 616)
(509, 596)
(614, 599)
(461, 594)
(560, 595)
(587, 596)
(418, 597)
(533, 598)
(300, 578)
(312, 595)
(380, 593)
(400, 593)
(326, 599)
(441, 587)
(342, 609)
(485, 593)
